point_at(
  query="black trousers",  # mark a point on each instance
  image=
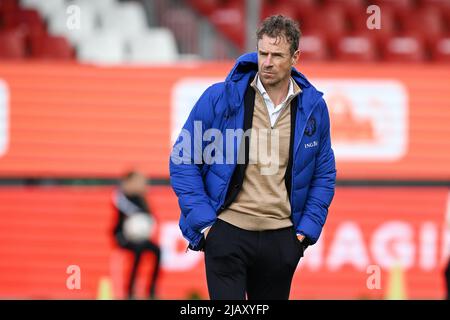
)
(256, 264)
(138, 249)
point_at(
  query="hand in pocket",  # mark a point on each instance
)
(205, 234)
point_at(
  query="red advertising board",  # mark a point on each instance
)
(388, 121)
(44, 231)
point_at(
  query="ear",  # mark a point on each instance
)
(295, 57)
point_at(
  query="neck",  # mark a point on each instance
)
(278, 91)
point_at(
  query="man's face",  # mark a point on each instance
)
(275, 60)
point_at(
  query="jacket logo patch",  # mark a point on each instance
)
(313, 144)
(310, 127)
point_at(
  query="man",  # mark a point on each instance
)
(129, 200)
(254, 218)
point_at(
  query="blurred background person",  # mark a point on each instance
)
(135, 224)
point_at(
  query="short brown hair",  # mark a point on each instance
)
(277, 26)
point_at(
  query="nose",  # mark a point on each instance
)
(268, 61)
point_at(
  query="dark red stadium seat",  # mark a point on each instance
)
(284, 9)
(28, 18)
(313, 47)
(300, 3)
(357, 20)
(7, 9)
(427, 21)
(304, 7)
(405, 48)
(440, 50)
(12, 44)
(226, 15)
(347, 4)
(398, 4)
(8, 6)
(51, 47)
(230, 20)
(439, 3)
(356, 48)
(33, 20)
(330, 20)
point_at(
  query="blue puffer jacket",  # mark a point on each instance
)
(201, 188)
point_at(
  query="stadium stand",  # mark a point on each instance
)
(420, 26)
(412, 30)
(109, 32)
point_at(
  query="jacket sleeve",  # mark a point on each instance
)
(322, 186)
(186, 165)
